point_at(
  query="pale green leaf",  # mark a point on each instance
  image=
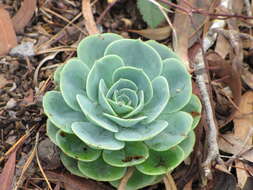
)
(141, 132)
(179, 81)
(159, 101)
(136, 53)
(179, 125)
(137, 76)
(59, 113)
(96, 137)
(93, 47)
(102, 69)
(94, 113)
(73, 81)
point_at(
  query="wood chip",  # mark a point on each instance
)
(8, 37)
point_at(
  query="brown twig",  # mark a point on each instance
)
(89, 19)
(193, 10)
(123, 182)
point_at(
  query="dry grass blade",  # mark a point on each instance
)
(7, 174)
(24, 15)
(8, 37)
(89, 19)
(15, 146)
(154, 34)
(25, 167)
(169, 182)
(123, 182)
(38, 161)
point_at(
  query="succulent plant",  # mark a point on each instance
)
(122, 103)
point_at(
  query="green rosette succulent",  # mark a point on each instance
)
(122, 103)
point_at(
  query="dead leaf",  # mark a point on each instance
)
(231, 144)
(222, 46)
(8, 37)
(243, 124)
(24, 15)
(6, 177)
(242, 173)
(249, 184)
(188, 186)
(154, 34)
(180, 41)
(243, 121)
(186, 33)
(76, 183)
(228, 78)
(223, 181)
(247, 76)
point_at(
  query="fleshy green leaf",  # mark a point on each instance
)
(188, 144)
(131, 94)
(136, 53)
(93, 47)
(125, 122)
(102, 99)
(71, 165)
(138, 77)
(75, 148)
(73, 81)
(179, 125)
(59, 113)
(138, 108)
(179, 81)
(161, 162)
(194, 108)
(51, 131)
(102, 69)
(120, 108)
(96, 137)
(57, 74)
(133, 153)
(101, 171)
(163, 50)
(151, 14)
(137, 181)
(121, 84)
(141, 132)
(159, 101)
(94, 113)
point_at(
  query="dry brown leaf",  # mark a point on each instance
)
(243, 123)
(188, 186)
(247, 76)
(8, 37)
(154, 34)
(222, 46)
(242, 174)
(24, 15)
(76, 183)
(6, 177)
(180, 41)
(231, 144)
(229, 77)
